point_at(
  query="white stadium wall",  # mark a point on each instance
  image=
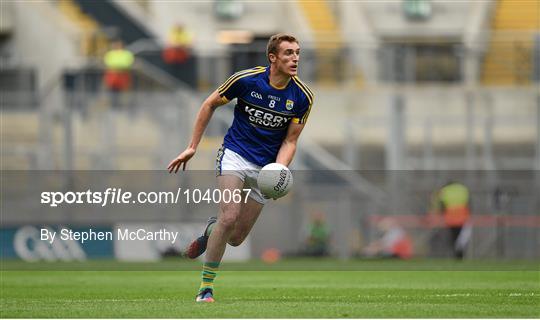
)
(258, 17)
(449, 18)
(369, 109)
(44, 39)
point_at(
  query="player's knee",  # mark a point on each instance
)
(228, 221)
(235, 241)
(238, 236)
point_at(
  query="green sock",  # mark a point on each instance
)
(209, 273)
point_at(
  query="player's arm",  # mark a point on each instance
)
(201, 122)
(288, 147)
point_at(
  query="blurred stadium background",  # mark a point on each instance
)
(408, 93)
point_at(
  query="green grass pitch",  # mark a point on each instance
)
(429, 293)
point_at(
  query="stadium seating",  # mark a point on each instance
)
(509, 59)
(109, 16)
(328, 40)
(94, 42)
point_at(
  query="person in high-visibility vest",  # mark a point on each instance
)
(118, 63)
(178, 47)
(453, 201)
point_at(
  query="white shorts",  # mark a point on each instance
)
(229, 162)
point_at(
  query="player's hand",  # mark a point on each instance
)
(181, 160)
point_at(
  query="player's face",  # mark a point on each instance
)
(288, 57)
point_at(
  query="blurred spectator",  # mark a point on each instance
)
(394, 242)
(452, 202)
(118, 64)
(178, 48)
(318, 238)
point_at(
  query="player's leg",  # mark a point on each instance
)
(217, 241)
(249, 213)
(250, 210)
(228, 217)
(224, 159)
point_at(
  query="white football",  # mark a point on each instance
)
(275, 180)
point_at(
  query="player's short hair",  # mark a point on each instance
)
(275, 40)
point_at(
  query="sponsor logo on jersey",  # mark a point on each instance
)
(256, 95)
(289, 105)
(274, 97)
(264, 118)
